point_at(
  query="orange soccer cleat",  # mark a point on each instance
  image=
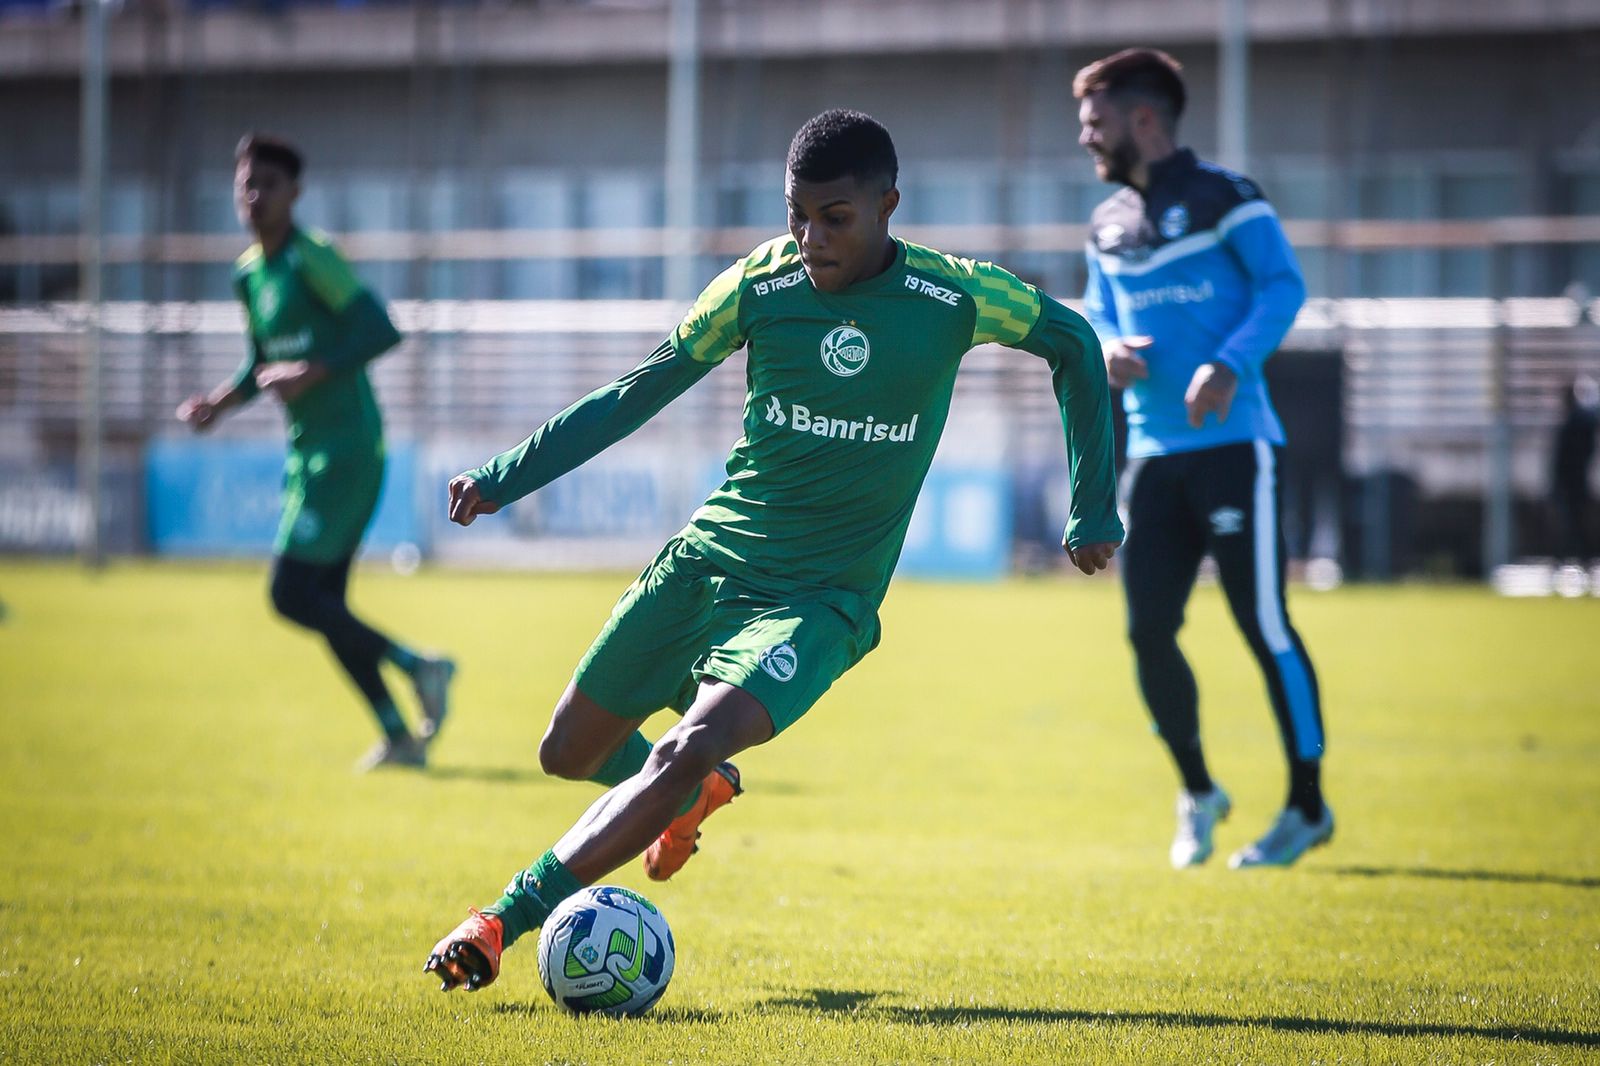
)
(676, 843)
(470, 954)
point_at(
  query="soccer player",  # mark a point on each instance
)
(1571, 455)
(1192, 285)
(311, 329)
(771, 592)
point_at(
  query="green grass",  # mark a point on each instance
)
(958, 856)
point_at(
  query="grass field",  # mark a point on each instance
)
(959, 856)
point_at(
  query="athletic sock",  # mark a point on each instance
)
(688, 804)
(388, 715)
(627, 761)
(403, 657)
(1305, 788)
(532, 895)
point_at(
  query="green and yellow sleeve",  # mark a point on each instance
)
(589, 426)
(711, 332)
(326, 273)
(1008, 307)
(1005, 307)
(1064, 340)
(707, 335)
(363, 328)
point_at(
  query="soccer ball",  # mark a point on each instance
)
(606, 950)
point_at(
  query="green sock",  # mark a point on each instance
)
(532, 895)
(403, 657)
(628, 760)
(394, 727)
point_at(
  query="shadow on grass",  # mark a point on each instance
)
(490, 775)
(836, 1001)
(1500, 876)
(826, 1001)
(665, 1015)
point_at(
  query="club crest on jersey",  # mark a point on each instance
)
(780, 661)
(267, 300)
(1174, 222)
(845, 351)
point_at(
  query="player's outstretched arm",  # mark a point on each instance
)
(200, 411)
(1078, 374)
(466, 502)
(292, 380)
(582, 431)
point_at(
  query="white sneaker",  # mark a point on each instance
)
(1198, 815)
(406, 751)
(1290, 837)
(432, 681)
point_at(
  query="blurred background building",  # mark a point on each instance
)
(541, 186)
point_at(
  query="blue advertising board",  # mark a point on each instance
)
(961, 527)
(43, 511)
(222, 497)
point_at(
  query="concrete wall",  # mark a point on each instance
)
(1532, 96)
(1434, 119)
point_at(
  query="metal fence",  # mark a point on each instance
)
(1439, 409)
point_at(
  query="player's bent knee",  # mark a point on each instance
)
(559, 757)
(293, 603)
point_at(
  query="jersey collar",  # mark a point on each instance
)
(1170, 170)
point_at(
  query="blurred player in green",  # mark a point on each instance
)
(771, 592)
(311, 330)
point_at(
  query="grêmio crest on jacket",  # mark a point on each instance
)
(1186, 196)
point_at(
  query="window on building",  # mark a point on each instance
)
(536, 200)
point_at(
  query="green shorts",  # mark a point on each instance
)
(686, 619)
(328, 500)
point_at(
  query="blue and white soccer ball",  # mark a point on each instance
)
(606, 950)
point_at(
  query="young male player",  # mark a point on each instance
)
(311, 330)
(771, 591)
(1192, 285)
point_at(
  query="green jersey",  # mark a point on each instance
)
(304, 302)
(847, 397)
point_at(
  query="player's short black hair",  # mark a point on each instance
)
(265, 148)
(842, 143)
(1146, 74)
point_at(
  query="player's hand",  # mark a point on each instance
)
(197, 412)
(289, 381)
(465, 502)
(1124, 364)
(1210, 392)
(1093, 557)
